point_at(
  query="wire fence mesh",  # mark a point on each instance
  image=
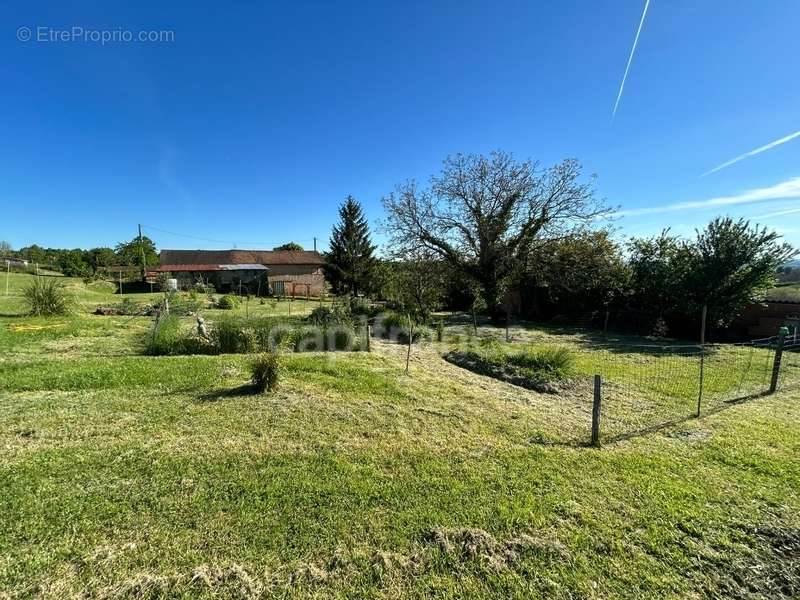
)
(646, 387)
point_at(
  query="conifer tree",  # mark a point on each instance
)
(349, 262)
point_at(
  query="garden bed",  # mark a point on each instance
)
(547, 372)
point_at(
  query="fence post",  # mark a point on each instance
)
(702, 357)
(776, 365)
(596, 411)
(369, 335)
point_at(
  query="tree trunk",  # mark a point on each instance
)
(491, 296)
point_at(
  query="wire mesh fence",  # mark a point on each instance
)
(646, 387)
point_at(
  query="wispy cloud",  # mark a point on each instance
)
(764, 148)
(780, 191)
(630, 57)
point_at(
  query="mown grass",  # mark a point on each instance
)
(131, 476)
(789, 292)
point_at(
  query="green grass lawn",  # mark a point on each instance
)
(138, 477)
(789, 292)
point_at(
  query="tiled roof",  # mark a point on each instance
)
(210, 267)
(221, 257)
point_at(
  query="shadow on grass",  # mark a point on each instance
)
(248, 389)
(726, 405)
(584, 337)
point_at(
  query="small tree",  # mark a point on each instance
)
(101, 257)
(733, 265)
(73, 263)
(417, 283)
(130, 253)
(5, 248)
(659, 269)
(291, 246)
(349, 263)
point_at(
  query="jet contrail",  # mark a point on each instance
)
(780, 213)
(789, 188)
(630, 58)
(769, 146)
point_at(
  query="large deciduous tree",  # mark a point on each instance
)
(350, 262)
(484, 214)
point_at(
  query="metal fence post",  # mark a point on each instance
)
(776, 365)
(596, 411)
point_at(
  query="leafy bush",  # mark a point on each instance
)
(46, 297)
(229, 336)
(130, 308)
(227, 302)
(309, 339)
(203, 288)
(396, 325)
(421, 332)
(265, 371)
(547, 364)
(166, 337)
(362, 306)
(182, 305)
(540, 370)
(323, 316)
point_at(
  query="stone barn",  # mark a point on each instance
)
(287, 272)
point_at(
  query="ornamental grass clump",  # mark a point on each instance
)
(46, 297)
(265, 371)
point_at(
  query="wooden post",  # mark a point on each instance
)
(410, 339)
(598, 383)
(702, 357)
(605, 322)
(120, 283)
(141, 248)
(8, 274)
(474, 321)
(776, 365)
(508, 321)
(369, 336)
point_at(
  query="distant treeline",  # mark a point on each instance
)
(87, 263)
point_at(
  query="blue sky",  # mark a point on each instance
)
(258, 118)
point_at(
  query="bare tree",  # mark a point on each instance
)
(483, 214)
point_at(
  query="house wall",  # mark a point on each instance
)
(223, 281)
(299, 274)
(764, 320)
